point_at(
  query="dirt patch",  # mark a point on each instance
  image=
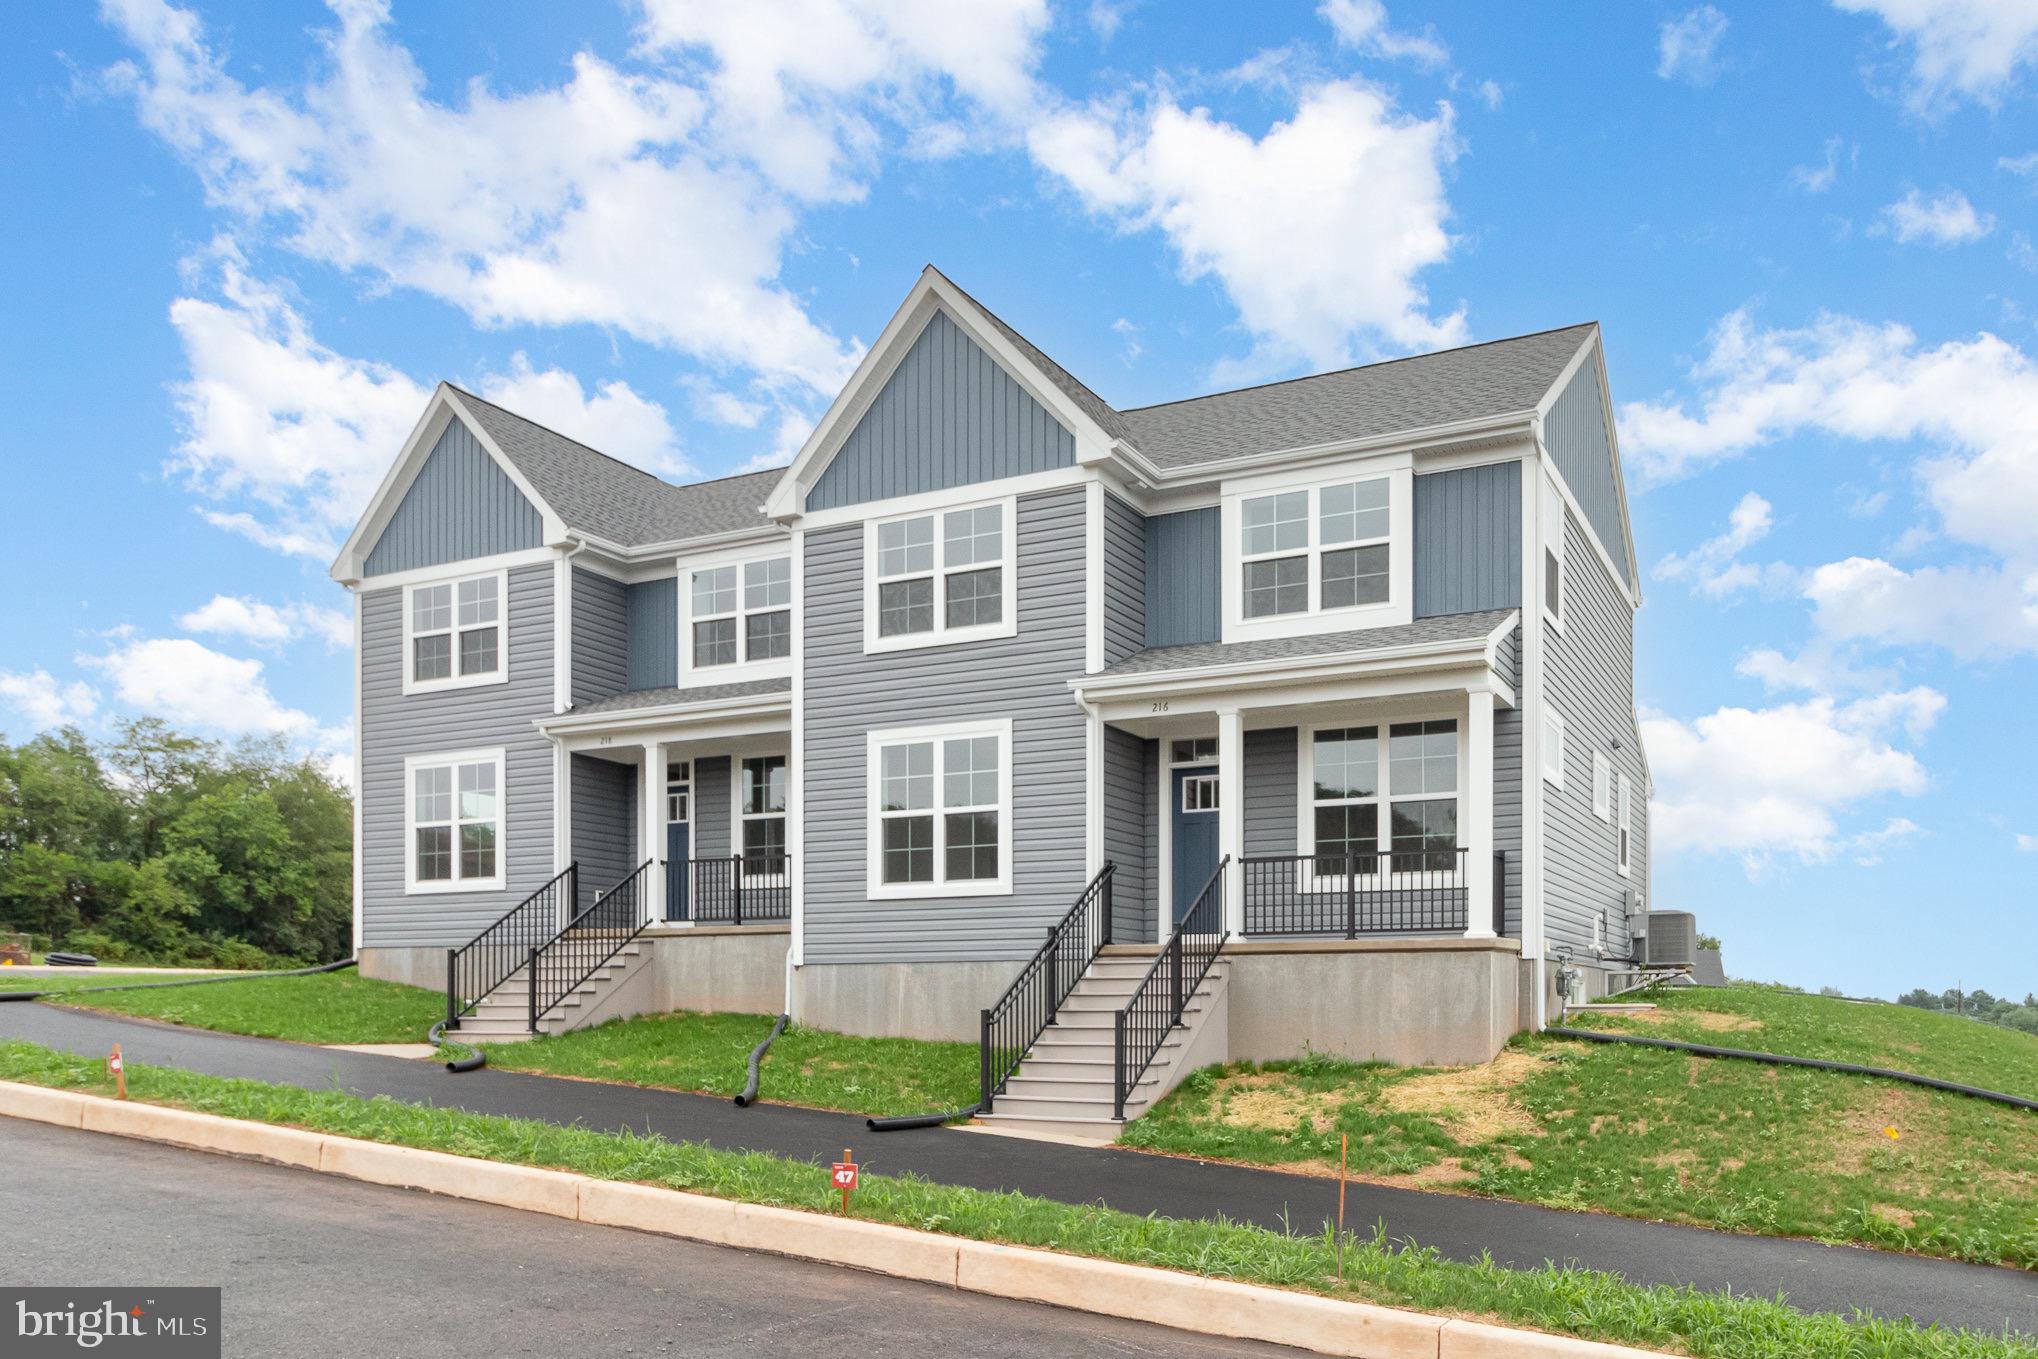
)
(1902, 1217)
(1254, 1103)
(1475, 1103)
(1712, 1021)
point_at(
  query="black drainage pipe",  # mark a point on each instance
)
(473, 1061)
(912, 1121)
(757, 1055)
(187, 981)
(1814, 1063)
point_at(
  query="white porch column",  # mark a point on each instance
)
(1231, 812)
(1475, 818)
(651, 828)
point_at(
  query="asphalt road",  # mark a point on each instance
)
(312, 1265)
(1824, 1278)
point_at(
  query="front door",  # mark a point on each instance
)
(678, 837)
(1194, 808)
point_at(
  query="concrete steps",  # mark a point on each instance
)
(504, 1014)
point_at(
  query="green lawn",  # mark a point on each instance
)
(1588, 1303)
(327, 1007)
(709, 1052)
(1657, 1134)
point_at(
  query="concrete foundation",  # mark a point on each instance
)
(900, 1000)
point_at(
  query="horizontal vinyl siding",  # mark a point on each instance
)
(651, 608)
(1575, 434)
(1124, 582)
(1589, 679)
(1129, 768)
(1467, 553)
(1271, 769)
(394, 725)
(1507, 784)
(601, 637)
(948, 416)
(460, 506)
(1025, 678)
(713, 794)
(1183, 558)
(604, 823)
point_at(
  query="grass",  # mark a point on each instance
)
(709, 1053)
(326, 1007)
(1667, 1135)
(1582, 1302)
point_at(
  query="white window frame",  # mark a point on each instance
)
(1554, 533)
(1602, 786)
(681, 786)
(1193, 787)
(456, 680)
(875, 743)
(1384, 798)
(739, 817)
(412, 885)
(1175, 761)
(1398, 473)
(941, 634)
(1624, 836)
(1553, 747)
(743, 667)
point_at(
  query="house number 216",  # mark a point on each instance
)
(1160, 707)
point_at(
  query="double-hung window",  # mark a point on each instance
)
(763, 815)
(742, 612)
(453, 633)
(941, 576)
(1315, 550)
(1602, 786)
(1625, 849)
(1399, 797)
(941, 811)
(454, 815)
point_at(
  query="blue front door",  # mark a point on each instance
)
(677, 853)
(1194, 809)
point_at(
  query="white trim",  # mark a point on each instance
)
(874, 743)
(1554, 548)
(796, 800)
(1407, 441)
(921, 502)
(562, 632)
(360, 778)
(1553, 747)
(938, 572)
(1294, 669)
(495, 755)
(1384, 796)
(562, 808)
(458, 679)
(689, 675)
(1602, 786)
(1230, 819)
(737, 816)
(1398, 473)
(427, 575)
(1534, 641)
(1194, 781)
(1629, 589)
(1093, 577)
(1624, 836)
(1094, 741)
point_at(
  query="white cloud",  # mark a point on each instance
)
(39, 697)
(1972, 612)
(2026, 164)
(1357, 186)
(1714, 567)
(1973, 48)
(1687, 47)
(615, 420)
(1946, 218)
(268, 624)
(190, 685)
(1821, 177)
(2027, 844)
(1819, 668)
(1777, 782)
(1491, 94)
(1362, 26)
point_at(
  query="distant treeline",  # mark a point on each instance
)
(165, 848)
(2010, 1014)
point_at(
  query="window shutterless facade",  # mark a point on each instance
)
(1315, 549)
(1392, 789)
(940, 811)
(741, 612)
(454, 633)
(941, 576)
(453, 819)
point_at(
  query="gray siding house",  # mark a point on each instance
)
(1329, 681)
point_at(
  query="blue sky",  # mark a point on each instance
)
(247, 240)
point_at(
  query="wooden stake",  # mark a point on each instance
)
(1344, 1141)
(849, 1159)
(119, 1070)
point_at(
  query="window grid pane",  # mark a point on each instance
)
(434, 853)
(477, 601)
(1352, 829)
(764, 784)
(477, 651)
(973, 536)
(908, 849)
(976, 597)
(768, 636)
(972, 849)
(1425, 835)
(1275, 523)
(905, 606)
(906, 781)
(714, 642)
(477, 850)
(1355, 575)
(432, 657)
(1354, 512)
(431, 608)
(434, 797)
(1423, 758)
(970, 772)
(905, 546)
(1347, 763)
(1276, 587)
(714, 591)
(768, 584)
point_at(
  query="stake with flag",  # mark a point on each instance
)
(116, 1069)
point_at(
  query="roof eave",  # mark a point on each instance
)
(1411, 440)
(1413, 656)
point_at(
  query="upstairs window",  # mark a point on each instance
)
(941, 576)
(742, 612)
(1315, 550)
(453, 633)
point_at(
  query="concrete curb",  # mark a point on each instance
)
(1163, 1297)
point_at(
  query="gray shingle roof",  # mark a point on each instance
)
(597, 494)
(1456, 627)
(662, 698)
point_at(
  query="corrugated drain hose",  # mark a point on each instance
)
(187, 981)
(757, 1055)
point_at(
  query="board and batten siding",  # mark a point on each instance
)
(1024, 678)
(395, 725)
(604, 824)
(948, 416)
(461, 505)
(1467, 549)
(1130, 766)
(1124, 583)
(1589, 681)
(1183, 558)
(601, 638)
(1575, 434)
(651, 612)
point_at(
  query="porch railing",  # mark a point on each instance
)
(741, 889)
(493, 956)
(590, 939)
(1411, 892)
(1163, 995)
(1010, 1028)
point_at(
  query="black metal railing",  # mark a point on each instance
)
(1163, 995)
(742, 889)
(496, 954)
(1353, 894)
(1500, 893)
(590, 939)
(1009, 1028)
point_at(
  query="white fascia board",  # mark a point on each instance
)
(1287, 669)
(774, 705)
(1407, 440)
